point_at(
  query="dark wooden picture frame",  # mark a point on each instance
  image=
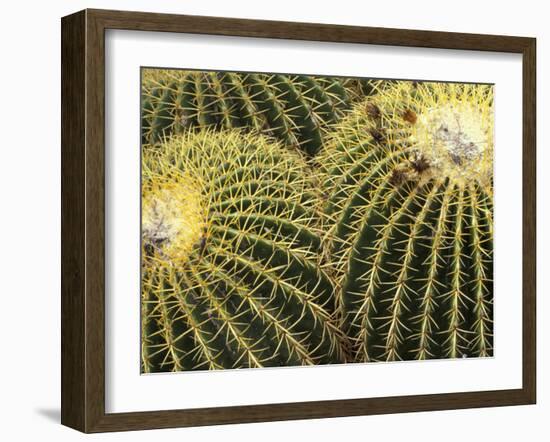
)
(83, 216)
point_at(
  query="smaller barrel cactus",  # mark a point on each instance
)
(408, 180)
(295, 109)
(230, 257)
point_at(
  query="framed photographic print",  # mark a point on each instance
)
(267, 220)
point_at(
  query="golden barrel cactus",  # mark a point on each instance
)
(231, 245)
(408, 178)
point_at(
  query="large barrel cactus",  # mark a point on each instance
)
(296, 109)
(409, 203)
(230, 251)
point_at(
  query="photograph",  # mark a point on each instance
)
(295, 219)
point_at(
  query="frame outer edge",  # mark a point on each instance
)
(73, 133)
(529, 220)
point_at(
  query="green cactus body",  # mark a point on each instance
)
(295, 109)
(230, 247)
(408, 177)
(359, 88)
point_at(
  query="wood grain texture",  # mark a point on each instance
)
(529, 220)
(144, 21)
(83, 218)
(73, 350)
(95, 221)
